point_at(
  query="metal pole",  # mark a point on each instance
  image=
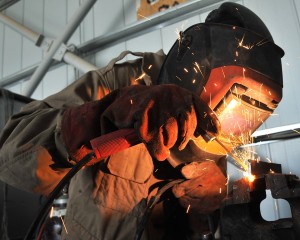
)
(78, 62)
(35, 37)
(65, 35)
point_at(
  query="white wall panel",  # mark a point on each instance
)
(72, 6)
(12, 52)
(16, 88)
(1, 48)
(12, 47)
(130, 11)
(52, 83)
(55, 17)
(102, 58)
(149, 42)
(34, 15)
(34, 20)
(31, 54)
(87, 31)
(108, 16)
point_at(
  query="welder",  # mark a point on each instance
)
(172, 102)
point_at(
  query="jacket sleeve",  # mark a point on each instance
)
(32, 155)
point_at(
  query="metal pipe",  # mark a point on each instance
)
(35, 37)
(78, 62)
(67, 32)
(178, 13)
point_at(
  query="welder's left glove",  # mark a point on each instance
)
(205, 188)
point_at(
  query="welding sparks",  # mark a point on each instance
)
(51, 212)
(198, 67)
(242, 45)
(144, 17)
(150, 66)
(223, 72)
(262, 42)
(249, 177)
(185, 69)
(177, 32)
(140, 77)
(188, 208)
(63, 222)
(131, 102)
(294, 130)
(178, 78)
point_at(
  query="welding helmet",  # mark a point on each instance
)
(233, 64)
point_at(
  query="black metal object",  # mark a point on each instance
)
(241, 217)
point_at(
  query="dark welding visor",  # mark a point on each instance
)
(204, 47)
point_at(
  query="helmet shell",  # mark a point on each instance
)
(231, 36)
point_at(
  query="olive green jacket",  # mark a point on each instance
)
(33, 157)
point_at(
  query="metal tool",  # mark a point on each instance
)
(108, 144)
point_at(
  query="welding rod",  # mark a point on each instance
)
(236, 161)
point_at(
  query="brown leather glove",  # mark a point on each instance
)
(205, 188)
(162, 115)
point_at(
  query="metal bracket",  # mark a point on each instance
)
(61, 51)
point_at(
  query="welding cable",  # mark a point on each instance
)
(40, 233)
(152, 202)
(39, 220)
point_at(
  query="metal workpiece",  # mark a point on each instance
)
(240, 215)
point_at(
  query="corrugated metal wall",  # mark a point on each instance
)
(50, 16)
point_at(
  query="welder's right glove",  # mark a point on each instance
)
(162, 115)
